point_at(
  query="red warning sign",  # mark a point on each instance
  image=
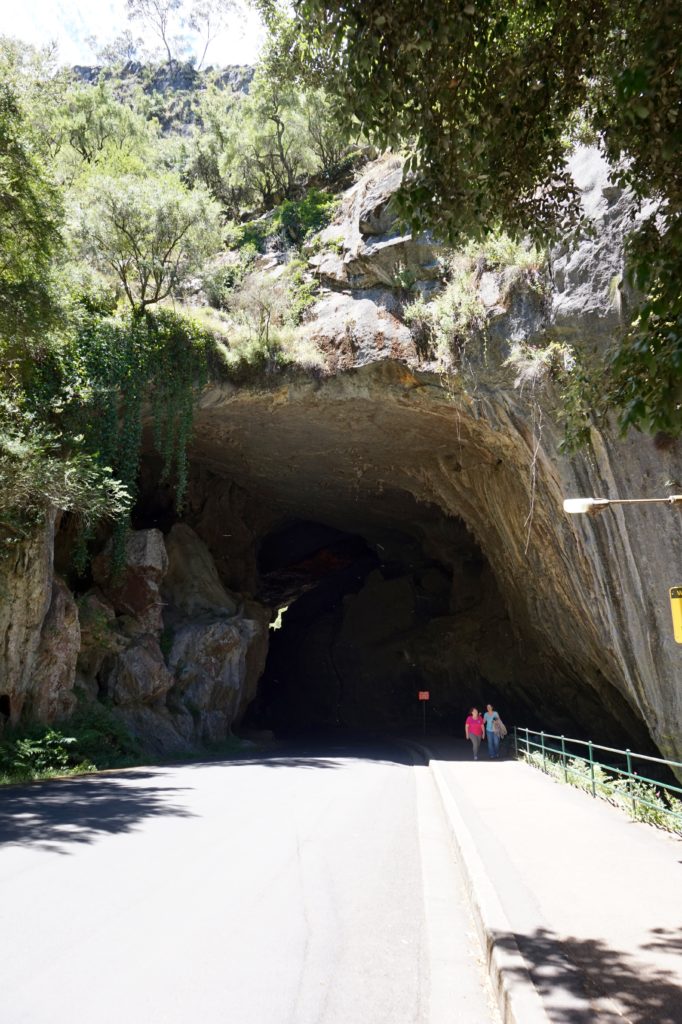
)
(424, 695)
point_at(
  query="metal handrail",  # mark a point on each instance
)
(628, 773)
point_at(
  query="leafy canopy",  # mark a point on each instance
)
(153, 233)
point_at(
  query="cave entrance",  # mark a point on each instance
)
(366, 621)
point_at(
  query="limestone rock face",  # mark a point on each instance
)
(355, 330)
(214, 651)
(55, 665)
(100, 636)
(590, 291)
(26, 574)
(217, 651)
(587, 599)
(564, 620)
(137, 676)
(373, 252)
(191, 585)
(136, 593)
(208, 661)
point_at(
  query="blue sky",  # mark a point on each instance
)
(70, 22)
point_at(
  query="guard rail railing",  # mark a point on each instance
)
(564, 754)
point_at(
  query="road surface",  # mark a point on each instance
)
(303, 887)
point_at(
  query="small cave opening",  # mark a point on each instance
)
(366, 621)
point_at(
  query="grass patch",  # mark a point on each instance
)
(443, 326)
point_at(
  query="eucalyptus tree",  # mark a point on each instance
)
(30, 216)
(151, 232)
(123, 48)
(161, 17)
(209, 18)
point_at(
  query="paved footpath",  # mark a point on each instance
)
(568, 890)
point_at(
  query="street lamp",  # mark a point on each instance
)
(593, 506)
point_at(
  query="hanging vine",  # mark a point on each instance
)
(136, 365)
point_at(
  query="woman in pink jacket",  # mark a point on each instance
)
(474, 730)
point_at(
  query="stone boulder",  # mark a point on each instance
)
(209, 662)
(55, 665)
(358, 330)
(136, 676)
(136, 590)
(374, 252)
(158, 730)
(192, 585)
(100, 637)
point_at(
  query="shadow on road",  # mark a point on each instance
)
(51, 814)
(666, 940)
(572, 974)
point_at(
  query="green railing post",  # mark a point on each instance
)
(544, 758)
(563, 757)
(633, 798)
(594, 788)
(516, 742)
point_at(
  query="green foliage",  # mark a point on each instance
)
(152, 233)
(482, 96)
(30, 215)
(294, 221)
(41, 754)
(253, 234)
(71, 427)
(219, 280)
(299, 219)
(302, 290)
(455, 318)
(44, 753)
(96, 739)
(128, 361)
(645, 373)
(643, 801)
(39, 471)
(443, 325)
(94, 124)
(101, 737)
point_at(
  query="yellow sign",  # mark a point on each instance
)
(676, 609)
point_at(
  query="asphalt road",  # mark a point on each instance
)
(310, 886)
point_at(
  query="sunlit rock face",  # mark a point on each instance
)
(577, 632)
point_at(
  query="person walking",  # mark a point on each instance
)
(474, 730)
(493, 730)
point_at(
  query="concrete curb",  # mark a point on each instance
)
(517, 997)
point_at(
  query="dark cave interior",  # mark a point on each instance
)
(372, 602)
(365, 623)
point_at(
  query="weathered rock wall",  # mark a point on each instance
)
(590, 595)
(387, 439)
(163, 644)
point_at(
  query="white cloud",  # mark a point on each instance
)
(70, 22)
